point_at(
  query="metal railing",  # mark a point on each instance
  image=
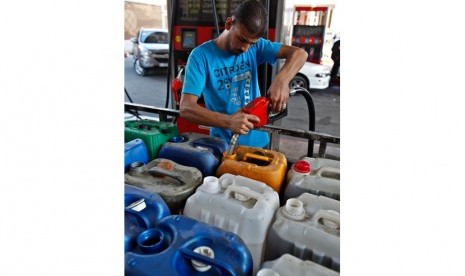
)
(170, 115)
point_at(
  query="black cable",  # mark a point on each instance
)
(127, 95)
(170, 53)
(135, 113)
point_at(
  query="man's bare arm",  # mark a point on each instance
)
(279, 89)
(238, 122)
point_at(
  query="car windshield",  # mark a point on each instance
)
(154, 37)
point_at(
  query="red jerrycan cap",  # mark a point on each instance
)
(302, 166)
(259, 108)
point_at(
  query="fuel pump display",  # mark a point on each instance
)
(309, 30)
(309, 38)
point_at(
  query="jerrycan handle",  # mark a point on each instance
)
(207, 147)
(257, 157)
(141, 218)
(244, 192)
(219, 264)
(324, 169)
(328, 218)
(158, 170)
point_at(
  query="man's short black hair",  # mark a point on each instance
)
(253, 16)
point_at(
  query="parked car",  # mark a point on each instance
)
(311, 76)
(150, 50)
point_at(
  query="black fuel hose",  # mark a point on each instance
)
(311, 114)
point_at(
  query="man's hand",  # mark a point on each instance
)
(278, 93)
(242, 123)
(279, 89)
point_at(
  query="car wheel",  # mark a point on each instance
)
(139, 70)
(298, 82)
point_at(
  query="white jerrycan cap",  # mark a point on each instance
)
(294, 209)
(137, 205)
(211, 185)
(206, 251)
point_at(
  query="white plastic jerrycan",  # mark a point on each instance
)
(321, 178)
(290, 265)
(237, 204)
(307, 227)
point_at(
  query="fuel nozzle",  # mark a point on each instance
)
(232, 144)
(258, 107)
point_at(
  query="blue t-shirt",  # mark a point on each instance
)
(228, 82)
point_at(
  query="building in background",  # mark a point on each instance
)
(144, 13)
(153, 14)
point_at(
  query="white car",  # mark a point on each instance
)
(311, 76)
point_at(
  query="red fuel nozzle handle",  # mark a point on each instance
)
(258, 107)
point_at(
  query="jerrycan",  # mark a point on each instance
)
(195, 150)
(142, 210)
(153, 133)
(179, 245)
(317, 163)
(321, 178)
(238, 204)
(263, 165)
(290, 265)
(307, 227)
(135, 150)
(173, 182)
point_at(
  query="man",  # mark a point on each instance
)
(336, 57)
(224, 71)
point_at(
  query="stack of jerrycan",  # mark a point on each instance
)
(153, 133)
(238, 204)
(263, 165)
(307, 227)
(195, 150)
(142, 211)
(134, 151)
(317, 176)
(179, 245)
(290, 265)
(173, 182)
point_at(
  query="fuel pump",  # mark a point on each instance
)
(309, 26)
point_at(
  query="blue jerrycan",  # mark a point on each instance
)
(135, 150)
(142, 210)
(179, 245)
(195, 150)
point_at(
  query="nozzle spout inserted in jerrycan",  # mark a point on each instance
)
(259, 107)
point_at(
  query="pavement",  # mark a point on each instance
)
(327, 121)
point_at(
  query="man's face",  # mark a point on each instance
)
(239, 39)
